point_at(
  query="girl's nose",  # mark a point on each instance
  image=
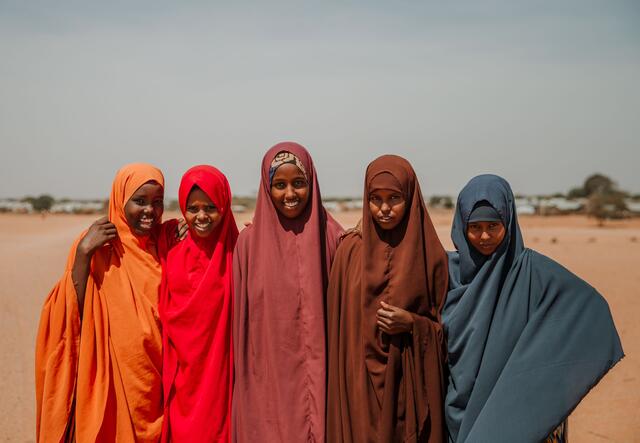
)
(289, 192)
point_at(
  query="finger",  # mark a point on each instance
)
(382, 313)
(104, 221)
(383, 326)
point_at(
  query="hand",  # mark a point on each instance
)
(181, 229)
(99, 233)
(393, 320)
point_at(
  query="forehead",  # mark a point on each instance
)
(150, 188)
(287, 171)
(382, 192)
(482, 223)
(197, 194)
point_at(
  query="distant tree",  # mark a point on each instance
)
(557, 195)
(173, 205)
(577, 193)
(605, 200)
(598, 183)
(42, 203)
(606, 205)
(442, 201)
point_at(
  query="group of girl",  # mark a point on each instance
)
(296, 331)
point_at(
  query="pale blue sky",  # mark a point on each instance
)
(541, 92)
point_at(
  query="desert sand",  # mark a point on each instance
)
(34, 250)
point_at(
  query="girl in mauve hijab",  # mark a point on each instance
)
(196, 301)
(385, 343)
(527, 339)
(281, 266)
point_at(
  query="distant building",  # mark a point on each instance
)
(633, 206)
(77, 207)
(8, 205)
(560, 205)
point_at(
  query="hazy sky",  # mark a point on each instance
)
(541, 92)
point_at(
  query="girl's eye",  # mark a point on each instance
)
(139, 201)
(212, 208)
(192, 209)
(300, 183)
(279, 185)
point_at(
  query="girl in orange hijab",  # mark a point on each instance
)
(99, 344)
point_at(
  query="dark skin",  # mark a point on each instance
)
(143, 212)
(99, 233)
(202, 214)
(486, 236)
(387, 208)
(289, 191)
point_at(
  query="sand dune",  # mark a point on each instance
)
(34, 251)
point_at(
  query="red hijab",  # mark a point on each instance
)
(281, 269)
(196, 309)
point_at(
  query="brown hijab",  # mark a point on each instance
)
(386, 388)
(281, 269)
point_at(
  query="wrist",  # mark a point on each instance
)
(85, 250)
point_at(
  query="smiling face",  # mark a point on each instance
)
(201, 213)
(289, 190)
(387, 207)
(485, 236)
(144, 209)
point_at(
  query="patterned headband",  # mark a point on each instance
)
(280, 159)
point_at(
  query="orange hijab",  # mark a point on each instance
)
(102, 381)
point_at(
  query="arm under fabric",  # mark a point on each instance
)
(56, 361)
(567, 344)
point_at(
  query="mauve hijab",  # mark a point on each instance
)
(281, 268)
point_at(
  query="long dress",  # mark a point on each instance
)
(281, 268)
(196, 301)
(527, 339)
(102, 381)
(387, 388)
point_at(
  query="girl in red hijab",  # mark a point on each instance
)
(281, 267)
(195, 309)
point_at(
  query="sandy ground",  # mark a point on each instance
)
(34, 249)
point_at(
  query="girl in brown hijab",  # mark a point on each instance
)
(385, 343)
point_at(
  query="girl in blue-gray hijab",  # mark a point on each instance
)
(527, 339)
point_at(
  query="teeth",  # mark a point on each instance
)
(291, 204)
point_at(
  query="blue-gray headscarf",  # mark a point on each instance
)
(527, 339)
